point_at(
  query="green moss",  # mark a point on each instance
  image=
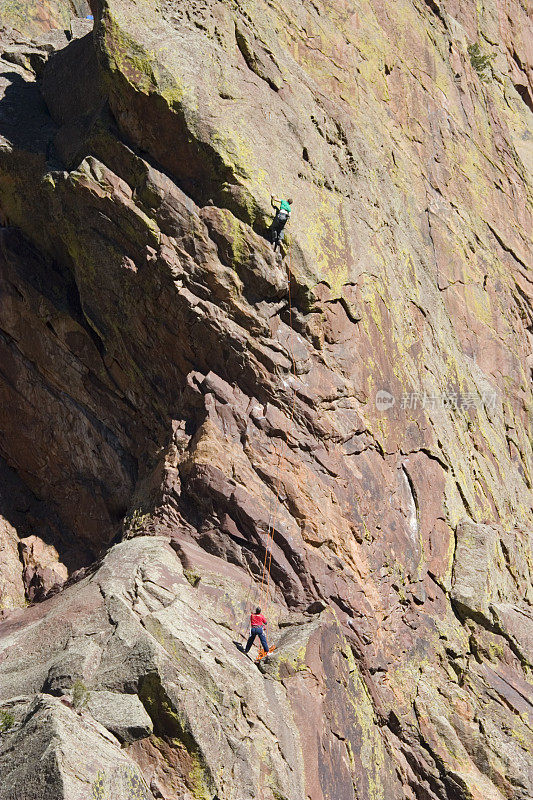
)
(235, 237)
(80, 695)
(98, 788)
(277, 794)
(135, 522)
(495, 651)
(33, 19)
(192, 576)
(166, 721)
(171, 726)
(295, 660)
(140, 68)
(326, 235)
(200, 788)
(7, 720)
(480, 61)
(370, 750)
(136, 787)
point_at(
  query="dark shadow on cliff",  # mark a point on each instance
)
(41, 293)
(31, 516)
(24, 118)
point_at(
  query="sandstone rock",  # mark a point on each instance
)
(491, 581)
(475, 567)
(42, 569)
(460, 774)
(215, 719)
(516, 623)
(29, 33)
(122, 714)
(11, 584)
(76, 756)
(157, 379)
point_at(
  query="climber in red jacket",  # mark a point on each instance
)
(257, 624)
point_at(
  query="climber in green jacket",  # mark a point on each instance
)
(283, 212)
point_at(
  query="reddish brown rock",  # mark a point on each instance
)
(143, 629)
(371, 435)
(11, 582)
(43, 570)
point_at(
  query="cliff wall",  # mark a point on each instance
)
(178, 403)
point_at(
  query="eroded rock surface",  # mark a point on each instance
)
(203, 718)
(361, 408)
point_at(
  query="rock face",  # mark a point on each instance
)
(137, 630)
(178, 405)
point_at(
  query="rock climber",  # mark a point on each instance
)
(283, 212)
(257, 624)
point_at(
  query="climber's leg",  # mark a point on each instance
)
(263, 639)
(273, 232)
(253, 633)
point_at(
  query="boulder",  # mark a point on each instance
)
(475, 568)
(122, 714)
(43, 570)
(77, 758)
(137, 650)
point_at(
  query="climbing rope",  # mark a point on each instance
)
(279, 452)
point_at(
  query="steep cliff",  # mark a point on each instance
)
(179, 406)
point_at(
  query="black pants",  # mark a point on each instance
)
(277, 231)
(257, 631)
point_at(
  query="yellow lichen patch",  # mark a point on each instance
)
(235, 151)
(147, 69)
(324, 235)
(478, 303)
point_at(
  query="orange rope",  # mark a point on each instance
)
(279, 452)
(265, 576)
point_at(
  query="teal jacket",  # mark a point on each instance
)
(280, 205)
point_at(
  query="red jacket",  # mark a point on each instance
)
(257, 621)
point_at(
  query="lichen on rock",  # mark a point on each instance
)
(182, 408)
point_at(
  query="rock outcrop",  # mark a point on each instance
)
(177, 404)
(140, 636)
